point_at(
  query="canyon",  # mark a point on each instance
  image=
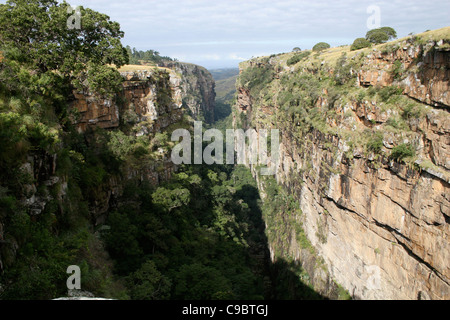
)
(362, 208)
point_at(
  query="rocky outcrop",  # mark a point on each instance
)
(198, 89)
(381, 226)
(421, 70)
(150, 95)
(157, 95)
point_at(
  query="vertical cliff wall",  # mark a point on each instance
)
(198, 89)
(365, 151)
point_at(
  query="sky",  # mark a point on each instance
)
(222, 33)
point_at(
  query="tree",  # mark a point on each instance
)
(360, 43)
(321, 46)
(200, 282)
(35, 34)
(148, 283)
(296, 49)
(377, 37)
(381, 35)
(390, 32)
(169, 200)
(402, 151)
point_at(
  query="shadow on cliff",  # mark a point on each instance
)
(287, 284)
(284, 277)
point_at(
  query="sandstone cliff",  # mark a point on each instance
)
(198, 89)
(377, 215)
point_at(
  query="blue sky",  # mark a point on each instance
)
(221, 33)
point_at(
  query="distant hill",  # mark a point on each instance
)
(221, 74)
(225, 90)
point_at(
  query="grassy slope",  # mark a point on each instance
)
(331, 55)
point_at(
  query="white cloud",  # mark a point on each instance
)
(234, 56)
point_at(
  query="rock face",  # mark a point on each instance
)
(423, 76)
(197, 89)
(157, 95)
(381, 226)
(154, 95)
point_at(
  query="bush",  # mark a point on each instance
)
(343, 70)
(397, 70)
(403, 151)
(411, 111)
(375, 143)
(257, 77)
(388, 92)
(297, 58)
(360, 43)
(321, 46)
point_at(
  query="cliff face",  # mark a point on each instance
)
(425, 72)
(378, 220)
(149, 102)
(197, 89)
(159, 95)
(147, 95)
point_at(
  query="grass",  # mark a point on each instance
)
(134, 67)
(333, 54)
(435, 35)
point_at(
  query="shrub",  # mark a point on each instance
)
(343, 70)
(411, 111)
(360, 43)
(297, 58)
(375, 143)
(397, 69)
(387, 93)
(257, 77)
(321, 46)
(403, 151)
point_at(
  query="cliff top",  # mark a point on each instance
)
(332, 55)
(134, 67)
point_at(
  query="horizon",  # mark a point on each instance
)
(220, 35)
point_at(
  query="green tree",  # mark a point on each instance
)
(35, 34)
(390, 32)
(199, 282)
(360, 43)
(296, 49)
(171, 199)
(321, 46)
(148, 283)
(381, 35)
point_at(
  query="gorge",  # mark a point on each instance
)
(358, 207)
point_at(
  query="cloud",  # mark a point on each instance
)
(234, 56)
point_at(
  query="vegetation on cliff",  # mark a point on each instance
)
(149, 57)
(364, 136)
(89, 198)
